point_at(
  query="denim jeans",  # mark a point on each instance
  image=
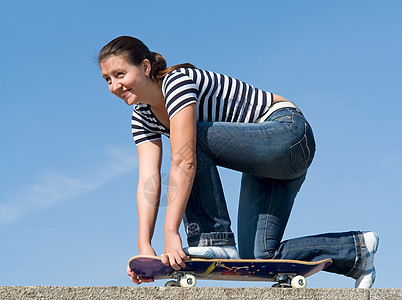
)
(273, 157)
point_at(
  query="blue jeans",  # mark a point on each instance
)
(273, 157)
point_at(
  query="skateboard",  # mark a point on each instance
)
(286, 273)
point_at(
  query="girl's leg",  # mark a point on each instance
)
(207, 220)
(347, 250)
(352, 253)
(264, 209)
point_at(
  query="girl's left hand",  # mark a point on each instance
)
(174, 254)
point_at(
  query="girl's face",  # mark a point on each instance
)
(125, 80)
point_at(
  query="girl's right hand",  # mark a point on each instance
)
(135, 277)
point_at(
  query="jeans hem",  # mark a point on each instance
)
(361, 260)
(218, 239)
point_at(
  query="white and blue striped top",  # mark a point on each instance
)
(217, 98)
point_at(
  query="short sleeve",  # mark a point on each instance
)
(179, 91)
(141, 129)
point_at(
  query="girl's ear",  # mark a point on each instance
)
(147, 66)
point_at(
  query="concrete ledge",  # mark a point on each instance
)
(210, 293)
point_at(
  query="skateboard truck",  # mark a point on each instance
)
(289, 280)
(183, 279)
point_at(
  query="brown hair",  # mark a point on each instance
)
(135, 52)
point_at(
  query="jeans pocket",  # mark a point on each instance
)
(286, 117)
(301, 155)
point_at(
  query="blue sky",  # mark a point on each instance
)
(68, 164)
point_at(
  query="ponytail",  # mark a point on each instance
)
(159, 70)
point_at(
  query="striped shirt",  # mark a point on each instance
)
(217, 98)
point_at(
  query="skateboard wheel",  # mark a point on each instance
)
(299, 282)
(171, 283)
(188, 280)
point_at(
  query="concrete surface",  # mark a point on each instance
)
(122, 293)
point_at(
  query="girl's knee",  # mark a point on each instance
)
(260, 253)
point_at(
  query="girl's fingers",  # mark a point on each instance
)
(174, 260)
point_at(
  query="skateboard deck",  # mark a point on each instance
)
(290, 273)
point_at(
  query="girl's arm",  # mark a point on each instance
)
(148, 192)
(182, 172)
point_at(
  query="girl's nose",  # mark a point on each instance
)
(115, 86)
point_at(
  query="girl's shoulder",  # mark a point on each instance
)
(180, 76)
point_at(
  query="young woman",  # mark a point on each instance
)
(215, 120)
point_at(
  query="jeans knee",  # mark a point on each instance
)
(260, 253)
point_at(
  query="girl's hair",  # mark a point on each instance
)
(135, 52)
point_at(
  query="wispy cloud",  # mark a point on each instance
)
(54, 188)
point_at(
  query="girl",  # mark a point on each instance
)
(215, 120)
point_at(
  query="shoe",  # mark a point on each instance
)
(227, 252)
(366, 280)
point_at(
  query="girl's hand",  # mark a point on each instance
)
(174, 254)
(135, 277)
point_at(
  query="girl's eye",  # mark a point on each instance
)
(120, 75)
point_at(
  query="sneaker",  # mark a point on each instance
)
(227, 252)
(366, 280)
